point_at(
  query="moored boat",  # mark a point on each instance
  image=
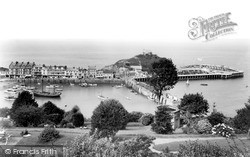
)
(47, 94)
(118, 86)
(50, 87)
(54, 94)
(102, 97)
(59, 89)
(204, 84)
(10, 97)
(83, 85)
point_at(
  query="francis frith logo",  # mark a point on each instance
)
(212, 27)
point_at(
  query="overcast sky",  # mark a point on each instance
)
(112, 21)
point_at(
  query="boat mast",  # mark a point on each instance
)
(42, 85)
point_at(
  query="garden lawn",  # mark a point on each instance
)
(241, 143)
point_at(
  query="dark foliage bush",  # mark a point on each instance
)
(134, 116)
(109, 115)
(28, 116)
(203, 126)
(75, 109)
(25, 132)
(147, 119)
(53, 118)
(63, 122)
(216, 118)
(25, 111)
(4, 112)
(74, 115)
(52, 112)
(70, 125)
(48, 134)
(162, 123)
(77, 119)
(194, 103)
(23, 99)
(242, 120)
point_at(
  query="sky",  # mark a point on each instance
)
(67, 24)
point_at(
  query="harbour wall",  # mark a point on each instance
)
(147, 91)
(66, 81)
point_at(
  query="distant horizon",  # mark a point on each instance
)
(100, 54)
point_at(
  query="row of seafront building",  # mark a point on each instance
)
(31, 69)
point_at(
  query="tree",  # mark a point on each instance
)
(109, 117)
(52, 112)
(162, 124)
(194, 103)
(135, 116)
(27, 116)
(242, 119)
(164, 76)
(77, 119)
(20, 110)
(216, 118)
(23, 99)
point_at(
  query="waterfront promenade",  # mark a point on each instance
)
(147, 91)
(66, 80)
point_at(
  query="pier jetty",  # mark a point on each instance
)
(206, 71)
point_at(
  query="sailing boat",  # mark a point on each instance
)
(42, 93)
(100, 96)
(187, 83)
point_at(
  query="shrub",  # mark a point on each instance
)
(194, 103)
(242, 119)
(75, 109)
(74, 116)
(23, 99)
(77, 119)
(203, 126)
(109, 115)
(138, 146)
(27, 116)
(70, 125)
(90, 146)
(48, 134)
(53, 118)
(193, 149)
(25, 111)
(6, 124)
(52, 112)
(25, 132)
(135, 116)
(147, 119)
(216, 118)
(223, 130)
(162, 124)
(64, 122)
(4, 112)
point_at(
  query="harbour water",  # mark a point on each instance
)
(87, 98)
(228, 95)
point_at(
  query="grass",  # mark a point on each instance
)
(225, 143)
(131, 130)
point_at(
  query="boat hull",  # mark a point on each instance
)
(47, 94)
